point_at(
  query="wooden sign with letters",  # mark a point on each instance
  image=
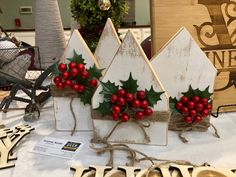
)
(212, 24)
(154, 171)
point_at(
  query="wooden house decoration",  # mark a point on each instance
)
(181, 64)
(212, 24)
(108, 45)
(63, 114)
(130, 59)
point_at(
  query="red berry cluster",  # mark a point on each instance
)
(194, 109)
(126, 105)
(70, 74)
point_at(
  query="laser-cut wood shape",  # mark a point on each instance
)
(8, 142)
(62, 112)
(182, 63)
(108, 45)
(130, 58)
(159, 171)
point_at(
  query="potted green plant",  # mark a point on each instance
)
(92, 17)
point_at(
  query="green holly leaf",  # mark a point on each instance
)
(173, 102)
(77, 58)
(152, 96)
(105, 108)
(94, 72)
(87, 95)
(56, 71)
(202, 94)
(130, 85)
(109, 88)
(206, 93)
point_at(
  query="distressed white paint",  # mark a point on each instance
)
(181, 63)
(131, 58)
(78, 44)
(62, 112)
(108, 45)
(64, 117)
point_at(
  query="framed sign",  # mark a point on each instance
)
(212, 24)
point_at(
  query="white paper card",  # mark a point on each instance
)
(57, 147)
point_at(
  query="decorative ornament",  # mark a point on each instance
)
(104, 4)
(194, 105)
(191, 112)
(76, 78)
(9, 138)
(126, 102)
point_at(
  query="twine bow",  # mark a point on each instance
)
(142, 126)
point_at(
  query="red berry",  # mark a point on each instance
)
(136, 103)
(184, 99)
(192, 112)
(93, 83)
(80, 67)
(68, 83)
(60, 85)
(72, 65)
(62, 67)
(144, 104)
(84, 74)
(125, 117)
(74, 72)
(75, 87)
(178, 105)
(115, 109)
(199, 106)
(65, 75)
(197, 118)
(205, 112)
(121, 101)
(56, 79)
(204, 101)
(81, 88)
(184, 110)
(195, 99)
(188, 119)
(114, 98)
(148, 112)
(190, 104)
(141, 94)
(129, 97)
(209, 107)
(121, 92)
(115, 116)
(139, 115)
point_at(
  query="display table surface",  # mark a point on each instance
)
(202, 147)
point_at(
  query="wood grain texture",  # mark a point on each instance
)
(212, 24)
(108, 45)
(131, 59)
(181, 63)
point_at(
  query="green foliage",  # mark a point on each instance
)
(108, 89)
(202, 94)
(104, 108)
(77, 58)
(87, 95)
(95, 72)
(152, 96)
(130, 85)
(92, 19)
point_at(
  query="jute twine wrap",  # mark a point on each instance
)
(133, 156)
(177, 124)
(66, 92)
(156, 117)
